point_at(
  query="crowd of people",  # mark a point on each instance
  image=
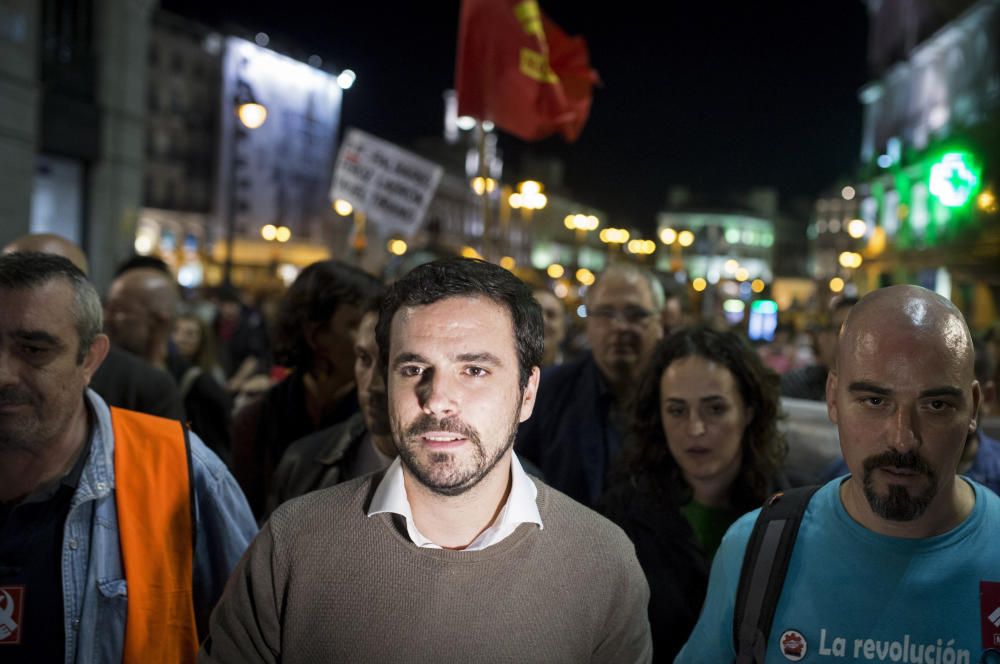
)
(432, 470)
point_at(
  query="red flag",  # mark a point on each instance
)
(519, 70)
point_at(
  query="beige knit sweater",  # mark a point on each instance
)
(323, 582)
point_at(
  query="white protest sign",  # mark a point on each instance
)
(391, 186)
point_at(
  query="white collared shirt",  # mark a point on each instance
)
(390, 496)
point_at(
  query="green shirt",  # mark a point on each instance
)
(709, 524)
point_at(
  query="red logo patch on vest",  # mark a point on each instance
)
(989, 612)
(11, 610)
(793, 645)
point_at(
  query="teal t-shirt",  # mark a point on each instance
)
(852, 595)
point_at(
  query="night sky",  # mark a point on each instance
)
(715, 96)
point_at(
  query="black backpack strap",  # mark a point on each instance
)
(765, 564)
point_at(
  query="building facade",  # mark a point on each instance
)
(72, 106)
(927, 182)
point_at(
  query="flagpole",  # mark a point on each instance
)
(484, 173)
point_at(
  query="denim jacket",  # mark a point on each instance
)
(95, 591)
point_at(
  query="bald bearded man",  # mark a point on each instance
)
(900, 560)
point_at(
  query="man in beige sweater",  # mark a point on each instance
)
(453, 554)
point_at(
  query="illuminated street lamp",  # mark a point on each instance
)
(272, 233)
(987, 201)
(641, 247)
(482, 185)
(342, 207)
(252, 115)
(849, 259)
(676, 240)
(611, 236)
(396, 247)
(581, 222)
(528, 198)
(857, 228)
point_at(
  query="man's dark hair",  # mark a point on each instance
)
(843, 302)
(649, 460)
(138, 260)
(28, 270)
(468, 277)
(313, 297)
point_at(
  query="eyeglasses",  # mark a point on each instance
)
(629, 315)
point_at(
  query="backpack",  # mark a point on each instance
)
(762, 576)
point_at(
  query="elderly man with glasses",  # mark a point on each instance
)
(576, 432)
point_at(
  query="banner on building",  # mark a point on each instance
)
(391, 186)
(277, 173)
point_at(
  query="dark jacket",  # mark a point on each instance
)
(206, 404)
(130, 382)
(569, 435)
(676, 568)
(321, 459)
(264, 428)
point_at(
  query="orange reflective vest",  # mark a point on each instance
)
(156, 531)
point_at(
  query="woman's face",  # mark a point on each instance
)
(187, 337)
(703, 418)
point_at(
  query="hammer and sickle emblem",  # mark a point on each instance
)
(7, 624)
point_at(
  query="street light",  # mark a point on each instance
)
(272, 233)
(528, 197)
(342, 207)
(857, 228)
(676, 240)
(850, 259)
(252, 115)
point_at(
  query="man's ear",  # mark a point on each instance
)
(977, 403)
(831, 395)
(95, 355)
(529, 394)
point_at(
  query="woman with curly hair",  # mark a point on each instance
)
(705, 449)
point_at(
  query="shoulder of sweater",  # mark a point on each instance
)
(324, 509)
(576, 523)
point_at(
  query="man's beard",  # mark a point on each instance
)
(898, 504)
(441, 473)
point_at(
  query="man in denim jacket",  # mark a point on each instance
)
(64, 595)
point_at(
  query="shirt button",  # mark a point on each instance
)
(74, 544)
(76, 623)
(101, 486)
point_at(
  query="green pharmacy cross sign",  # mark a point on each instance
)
(953, 179)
